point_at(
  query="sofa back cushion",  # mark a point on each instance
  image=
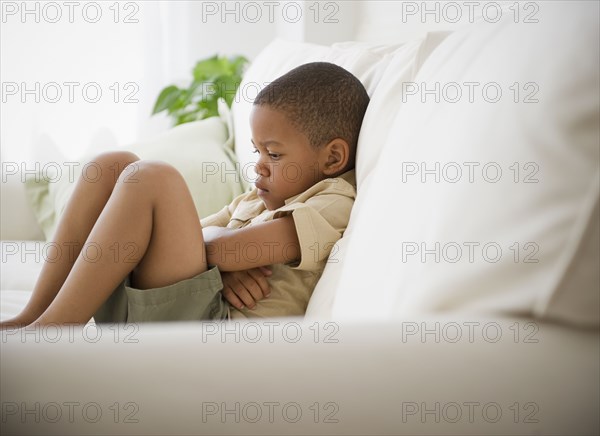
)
(485, 197)
(385, 103)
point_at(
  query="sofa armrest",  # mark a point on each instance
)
(283, 376)
(17, 220)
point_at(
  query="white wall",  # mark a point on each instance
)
(382, 21)
(70, 54)
(152, 44)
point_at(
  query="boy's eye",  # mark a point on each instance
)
(271, 155)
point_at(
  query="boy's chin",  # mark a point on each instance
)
(269, 203)
(270, 206)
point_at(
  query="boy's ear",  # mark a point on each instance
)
(336, 155)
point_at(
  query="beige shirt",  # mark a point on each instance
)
(321, 214)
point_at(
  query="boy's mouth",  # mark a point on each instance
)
(261, 192)
(260, 187)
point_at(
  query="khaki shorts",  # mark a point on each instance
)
(198, 298)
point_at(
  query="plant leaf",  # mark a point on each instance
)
(209, 68)
(227, 86)
(191, 116)
(238, 63)
(213, 78)
(166, 98)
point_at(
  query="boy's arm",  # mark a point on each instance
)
(262, 244)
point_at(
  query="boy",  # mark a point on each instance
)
(305, 129)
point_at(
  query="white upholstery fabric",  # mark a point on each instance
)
(542, 227)
(385, 103)
(377, 378)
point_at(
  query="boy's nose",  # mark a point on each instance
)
(261, 169)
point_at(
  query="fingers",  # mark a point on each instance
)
(241, 290)
(232, 298)
(266, 271)
(244, 288)
(242, 293)
(261, 282)
(231, 289)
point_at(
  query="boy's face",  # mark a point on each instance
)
(287, 163)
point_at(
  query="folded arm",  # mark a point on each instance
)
(262, 244)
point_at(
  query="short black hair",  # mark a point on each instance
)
(322, 100)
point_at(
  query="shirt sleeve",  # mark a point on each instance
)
(222, 217)
(219, 219)
(320, 222)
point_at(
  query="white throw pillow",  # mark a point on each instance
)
(201, 151)
(366, 61)
(523, 241)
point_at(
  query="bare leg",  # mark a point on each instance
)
(149, 226)
(87, 201)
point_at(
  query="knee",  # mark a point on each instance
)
(112, 163)
(158, 173)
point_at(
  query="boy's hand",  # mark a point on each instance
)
(244, 288)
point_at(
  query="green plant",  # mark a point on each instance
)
(215, 77)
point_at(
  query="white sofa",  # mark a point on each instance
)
(459, 301)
